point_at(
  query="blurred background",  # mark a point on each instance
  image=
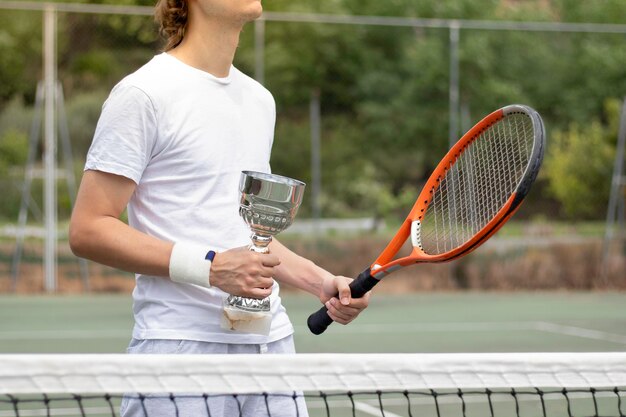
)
(369, 96)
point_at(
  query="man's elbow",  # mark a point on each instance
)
(78, 239)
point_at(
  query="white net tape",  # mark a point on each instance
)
(307, 372)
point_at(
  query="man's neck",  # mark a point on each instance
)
(209, 47)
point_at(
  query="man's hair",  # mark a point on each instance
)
(171, 15)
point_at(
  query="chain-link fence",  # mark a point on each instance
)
(366, 106)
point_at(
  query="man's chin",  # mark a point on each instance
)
(252, 16)
(257, 13)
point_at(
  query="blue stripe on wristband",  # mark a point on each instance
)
(210, 255)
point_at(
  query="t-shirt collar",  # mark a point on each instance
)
(198, 72)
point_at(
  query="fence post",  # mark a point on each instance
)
(316, 169)
(259, 50)
(50, 151)
(454, 82)
(615, 211)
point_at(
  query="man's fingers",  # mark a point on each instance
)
(261, 282)
(360, 303)
(343, 291)
(260, 293)
(266, 272)
(269, 260)
(343, 308)
(244, 273)
(340, 313)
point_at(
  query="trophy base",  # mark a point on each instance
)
(248, 315)
(248, 304)
(256, 322)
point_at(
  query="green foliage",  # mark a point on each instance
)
(579, 165)
(13, 154)
(92, 67)
(13, 150)
(403, 112)
(83, 111)
(20, 36)
(384, 90)
(391, 85)
(352, 185)
(16, 116)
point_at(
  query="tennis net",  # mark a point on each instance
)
(390, 385)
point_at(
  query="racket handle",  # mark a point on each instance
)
(319, 321)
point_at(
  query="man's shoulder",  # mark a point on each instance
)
(156, 79)
(150, 77)
(252, 85)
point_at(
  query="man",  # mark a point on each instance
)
(170, 145)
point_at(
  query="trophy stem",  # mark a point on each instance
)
(260, 243)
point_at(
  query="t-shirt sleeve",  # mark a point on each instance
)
(125, 134)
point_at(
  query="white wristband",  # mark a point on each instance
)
(191, 264)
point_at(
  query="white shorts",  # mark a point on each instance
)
(227, 405)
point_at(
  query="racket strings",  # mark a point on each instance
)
(477, 184)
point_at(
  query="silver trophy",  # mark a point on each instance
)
(268, 205)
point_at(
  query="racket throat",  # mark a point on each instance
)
(416, 234)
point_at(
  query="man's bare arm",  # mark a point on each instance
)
(333, 291)
(98, 234)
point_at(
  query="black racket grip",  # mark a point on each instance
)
(319, 321)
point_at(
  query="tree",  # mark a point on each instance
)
(20, 45)
(579, 165)
(383, 90)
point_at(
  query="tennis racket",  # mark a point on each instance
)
(473, 191)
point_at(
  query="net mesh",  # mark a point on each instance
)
(558, 384)
(436, 403)
(477, 184)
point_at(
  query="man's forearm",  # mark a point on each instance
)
(111, 242)
(333, 291)
(96, 233)
(298, 271)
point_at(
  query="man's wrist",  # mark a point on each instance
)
(191, 264)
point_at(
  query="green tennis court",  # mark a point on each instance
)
(440, 322)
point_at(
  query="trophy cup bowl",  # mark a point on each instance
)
(268, 205)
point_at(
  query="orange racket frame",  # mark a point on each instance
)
(385, 263)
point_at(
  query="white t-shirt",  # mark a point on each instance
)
(184, 136)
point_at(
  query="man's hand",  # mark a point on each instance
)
(335, 295)
(243, 272)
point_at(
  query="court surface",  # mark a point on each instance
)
(423, 322)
